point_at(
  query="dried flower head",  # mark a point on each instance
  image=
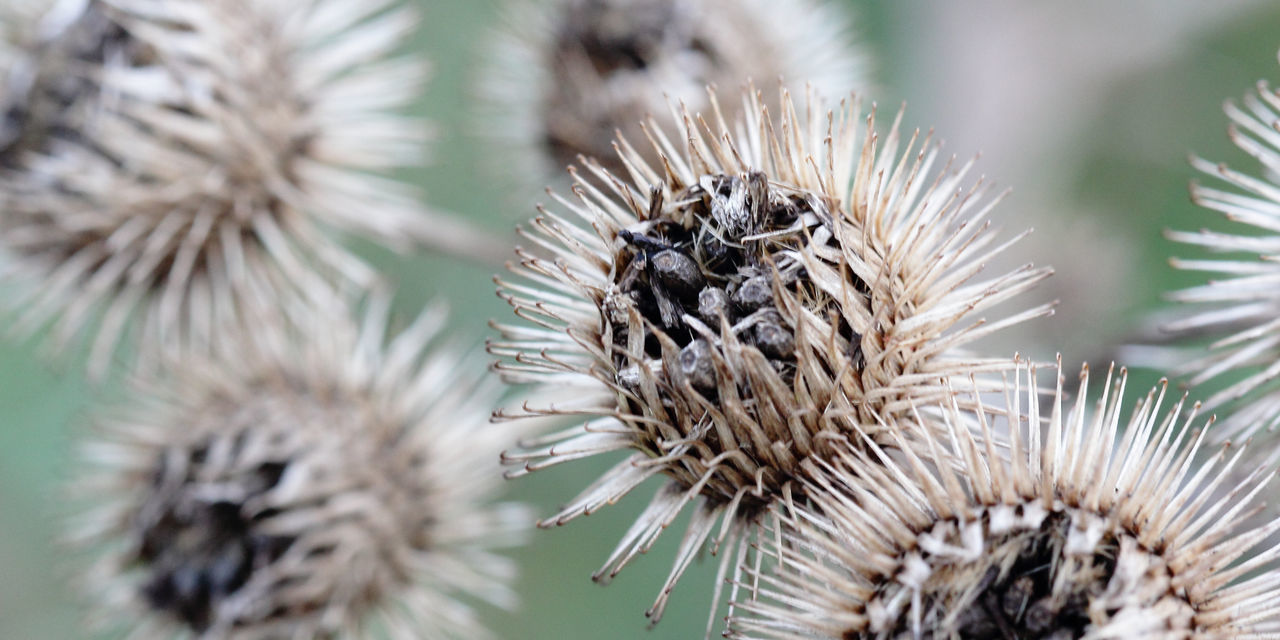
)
(1096, 528)
(564, 79)
(303, 483)
(167, 160)
(759, 293)
(1237, 309)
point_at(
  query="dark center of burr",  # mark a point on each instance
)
(1044, 594)
(610, 38)
(617, 35)
(199, 550)
(43, 91)
(711, 259)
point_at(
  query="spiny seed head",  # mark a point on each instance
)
(1075, 524)
(301, 483)
(735, 309)
(566, 76)
(162, 162)
(1236, 311)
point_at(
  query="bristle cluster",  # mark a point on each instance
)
(1097, 527)
(728, 312)
(301, 487)
(1232, 320)
(166, 162)
(565, 79)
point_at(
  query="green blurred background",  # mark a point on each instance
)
(1086, 109)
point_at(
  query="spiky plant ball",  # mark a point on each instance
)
(1236, 310)
(563, 78)
(1089, 525)
(303, 483)
(162, 162)
(725, 314)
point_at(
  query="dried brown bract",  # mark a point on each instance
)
(1096, 527)
(729, 312)
(305, 482)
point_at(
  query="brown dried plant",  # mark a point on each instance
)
(305, 481)
(731, 310)
(1088, 525)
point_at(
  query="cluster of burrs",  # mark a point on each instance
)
(768, 304)
(176, 179)
(772, 304)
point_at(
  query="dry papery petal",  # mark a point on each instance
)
(313, 481)
(723, 315)
(169, 163)
(565, 77)
(1075, 524)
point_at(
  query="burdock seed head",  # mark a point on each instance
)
(162, 162)
(1235, 311)
(1074, 524)
(304, 482)
(565, 77)
(763, 291)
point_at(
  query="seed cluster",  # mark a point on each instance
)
(709, 263)
(1033, 588)
(201, 537)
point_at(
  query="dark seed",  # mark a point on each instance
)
(713, 250)
(713, 302)
(974, 622)
(678, 272)
(774, 341)
(753, 294)
(191, 593)
(1017, 595)
(697, 365)
(642, 241)
(1041, 615)
(229, 569)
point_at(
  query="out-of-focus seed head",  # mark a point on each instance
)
(1074, 524)
(1229, 334)
(160, 163)
(565, 78)
(307, 482)
(736, 308)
